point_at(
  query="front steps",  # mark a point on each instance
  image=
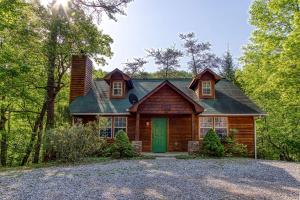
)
(167, 155)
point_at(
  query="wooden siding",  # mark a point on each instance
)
(180, 130)
(179, 133)
(166, 101)
(81, 76)
(131, 127)
(245, 131)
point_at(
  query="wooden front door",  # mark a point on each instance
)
(159, 135)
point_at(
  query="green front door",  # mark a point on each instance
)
(159, 135)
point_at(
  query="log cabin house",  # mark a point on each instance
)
(160, 115)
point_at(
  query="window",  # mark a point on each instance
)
(206, 88)
(219, 124)
(206, 123)
(119, 124)
(105, 127)
(117, 89)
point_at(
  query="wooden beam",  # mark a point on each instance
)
(137, 127)
(193, 127)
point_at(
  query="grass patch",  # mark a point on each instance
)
(89, 160)
(185, 157)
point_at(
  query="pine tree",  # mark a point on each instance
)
(227, 67)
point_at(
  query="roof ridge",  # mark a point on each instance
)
(150, 79)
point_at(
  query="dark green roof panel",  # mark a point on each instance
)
(229, 98)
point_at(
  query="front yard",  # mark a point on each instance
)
(157, 179)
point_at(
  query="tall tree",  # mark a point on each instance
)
(270, 75)
(19, 66)
(168, 59)
(227, 67)
(135, 67)
(70, 27)
(199, 53)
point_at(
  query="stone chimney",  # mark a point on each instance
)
(81, 76)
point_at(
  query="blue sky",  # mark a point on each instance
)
(157, 24)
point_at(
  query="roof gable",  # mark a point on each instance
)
(118, 74)
(196, 106)
(199, 76)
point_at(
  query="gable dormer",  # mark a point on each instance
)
(204, 84)
(119, 84)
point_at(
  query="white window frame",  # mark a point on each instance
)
(213, 125)
(210, 88)
(207, 127)
(117, 88)
(111, 127)
(119, 127)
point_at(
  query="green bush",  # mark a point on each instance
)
(122, 148)
(212, 145)
(73, 143)
(233, 148)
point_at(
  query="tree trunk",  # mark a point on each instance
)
(52, 45)
(37, 124)
(38, 144)
(3, 155)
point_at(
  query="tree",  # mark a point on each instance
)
(168, 59)
(135, 67)
(270, 76)
(227, 67)
(200, 54)
(70, 28)
(19, 68)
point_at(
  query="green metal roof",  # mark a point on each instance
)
(229, 98)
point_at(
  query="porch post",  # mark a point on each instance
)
(193, 127)
(137, 127)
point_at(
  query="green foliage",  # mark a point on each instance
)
(122, 148)
(73, 143)
(212, 144)
(227, 67)
(270, 76)
(233, 148)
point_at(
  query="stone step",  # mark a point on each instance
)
(165, 155)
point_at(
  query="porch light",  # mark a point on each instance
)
(147, 124)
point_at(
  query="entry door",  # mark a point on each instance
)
(159, 135)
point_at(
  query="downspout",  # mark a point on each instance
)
(255, 151)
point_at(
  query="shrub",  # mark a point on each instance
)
(73, 143)
(122, 148)
(212, 144)
(233, 148)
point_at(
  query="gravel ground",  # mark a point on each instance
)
(157, 179)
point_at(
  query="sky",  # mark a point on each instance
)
(157, 24)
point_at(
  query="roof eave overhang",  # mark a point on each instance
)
(99, 114)
(232, 114)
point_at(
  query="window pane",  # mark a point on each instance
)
(117, 88)
(221, 126)
(220, 122)
(206, 123)
(203, 132)
(105, 127)
(119, 124)
(206, 87)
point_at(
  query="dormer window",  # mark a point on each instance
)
(206, 88)
(117, 89)
(204, 84)
(119, 83)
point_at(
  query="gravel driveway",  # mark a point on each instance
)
(157, 179)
